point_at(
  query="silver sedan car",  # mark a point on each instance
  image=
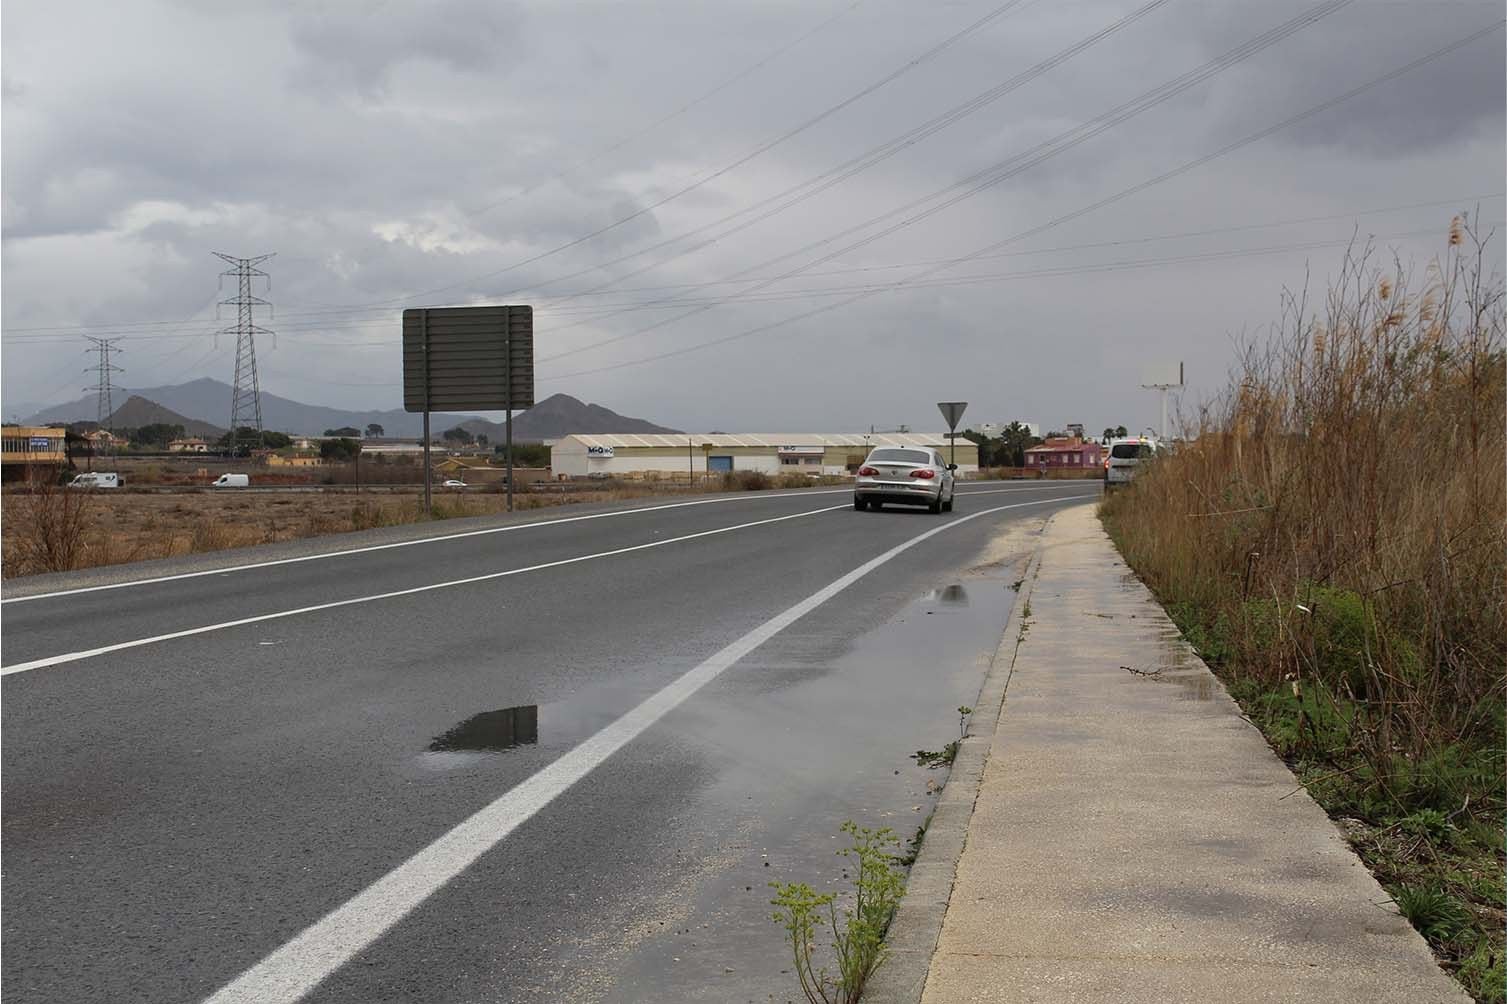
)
(908, 475)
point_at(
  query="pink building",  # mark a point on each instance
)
(1065, 452)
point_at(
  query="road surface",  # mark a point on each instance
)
(552, 756)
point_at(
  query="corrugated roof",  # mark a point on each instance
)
(768, 439)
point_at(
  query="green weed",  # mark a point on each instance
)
(858, 938)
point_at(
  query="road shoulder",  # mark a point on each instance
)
(1134, 838)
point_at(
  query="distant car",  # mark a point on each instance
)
(908, 475)
(452, 483)
(1124, 456)
(97, 479)
(231, 481)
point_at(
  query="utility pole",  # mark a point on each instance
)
(103, 387)
(245, 394)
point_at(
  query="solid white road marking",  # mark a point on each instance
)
(89, 653)
(444, 537)
(295, 969)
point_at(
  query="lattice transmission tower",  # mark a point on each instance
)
(104, 386)
(245, 395)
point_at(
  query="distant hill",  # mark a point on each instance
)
(138, 411)
(560, 415)
(208, 401)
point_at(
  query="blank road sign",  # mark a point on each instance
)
(468, 356)
(952, 411)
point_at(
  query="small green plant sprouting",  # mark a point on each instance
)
(963, 712)
(1430, 824)
(909, 857)
(1027, 611)
(1437, 915)
(858, 940)
(937, 758)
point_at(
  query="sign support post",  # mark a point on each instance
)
(424, 328)
(508, 398)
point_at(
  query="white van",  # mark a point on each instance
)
(1124, 456)
(231, 481)
(97, 479)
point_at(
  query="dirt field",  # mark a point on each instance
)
(51, 529)
(117, 527)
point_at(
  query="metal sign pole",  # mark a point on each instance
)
(424, 328)
(507, 369)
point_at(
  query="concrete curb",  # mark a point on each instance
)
(917, 927)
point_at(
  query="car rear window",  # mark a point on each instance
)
(901, 456)
(1130, 451)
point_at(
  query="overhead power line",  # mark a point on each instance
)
(757, 151)
(628, 138)
(1122, 194)
(995, 174)
(550, 307)
(811, 187)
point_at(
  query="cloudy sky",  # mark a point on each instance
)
(779, 191)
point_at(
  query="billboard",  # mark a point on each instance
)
(468, 358)
(1162, 374)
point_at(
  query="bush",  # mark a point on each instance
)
(51, 521)
(746, 481)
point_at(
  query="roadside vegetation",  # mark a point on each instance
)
(1330, 537)
(857, 928)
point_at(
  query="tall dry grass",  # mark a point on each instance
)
(1336, 517)
(50, 522)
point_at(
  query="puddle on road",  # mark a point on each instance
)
(953, 595)
(482, 735)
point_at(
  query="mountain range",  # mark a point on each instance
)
(555, 416)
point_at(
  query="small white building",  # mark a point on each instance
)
(772, 453)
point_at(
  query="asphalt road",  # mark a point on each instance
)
(557, 756)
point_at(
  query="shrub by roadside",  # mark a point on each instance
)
(1331, 539)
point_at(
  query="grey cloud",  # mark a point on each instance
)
(360, 43)
(410, 120)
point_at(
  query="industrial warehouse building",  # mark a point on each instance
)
(774, 453)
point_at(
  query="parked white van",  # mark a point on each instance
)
(97, 479)
(1124, 456)
(231, 481)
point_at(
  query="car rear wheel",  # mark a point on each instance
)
(947, 506)
(934, 507)
(859, 504)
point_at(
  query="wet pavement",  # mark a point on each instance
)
(838, 710)
(1134, 839)
(176, 811)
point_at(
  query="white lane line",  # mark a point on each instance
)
(89, 653)
(410, 543)
(448, 536)
(295, 969)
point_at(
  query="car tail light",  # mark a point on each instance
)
(923, 472)
(867, 472)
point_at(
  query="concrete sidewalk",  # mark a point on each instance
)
(1135, 839)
